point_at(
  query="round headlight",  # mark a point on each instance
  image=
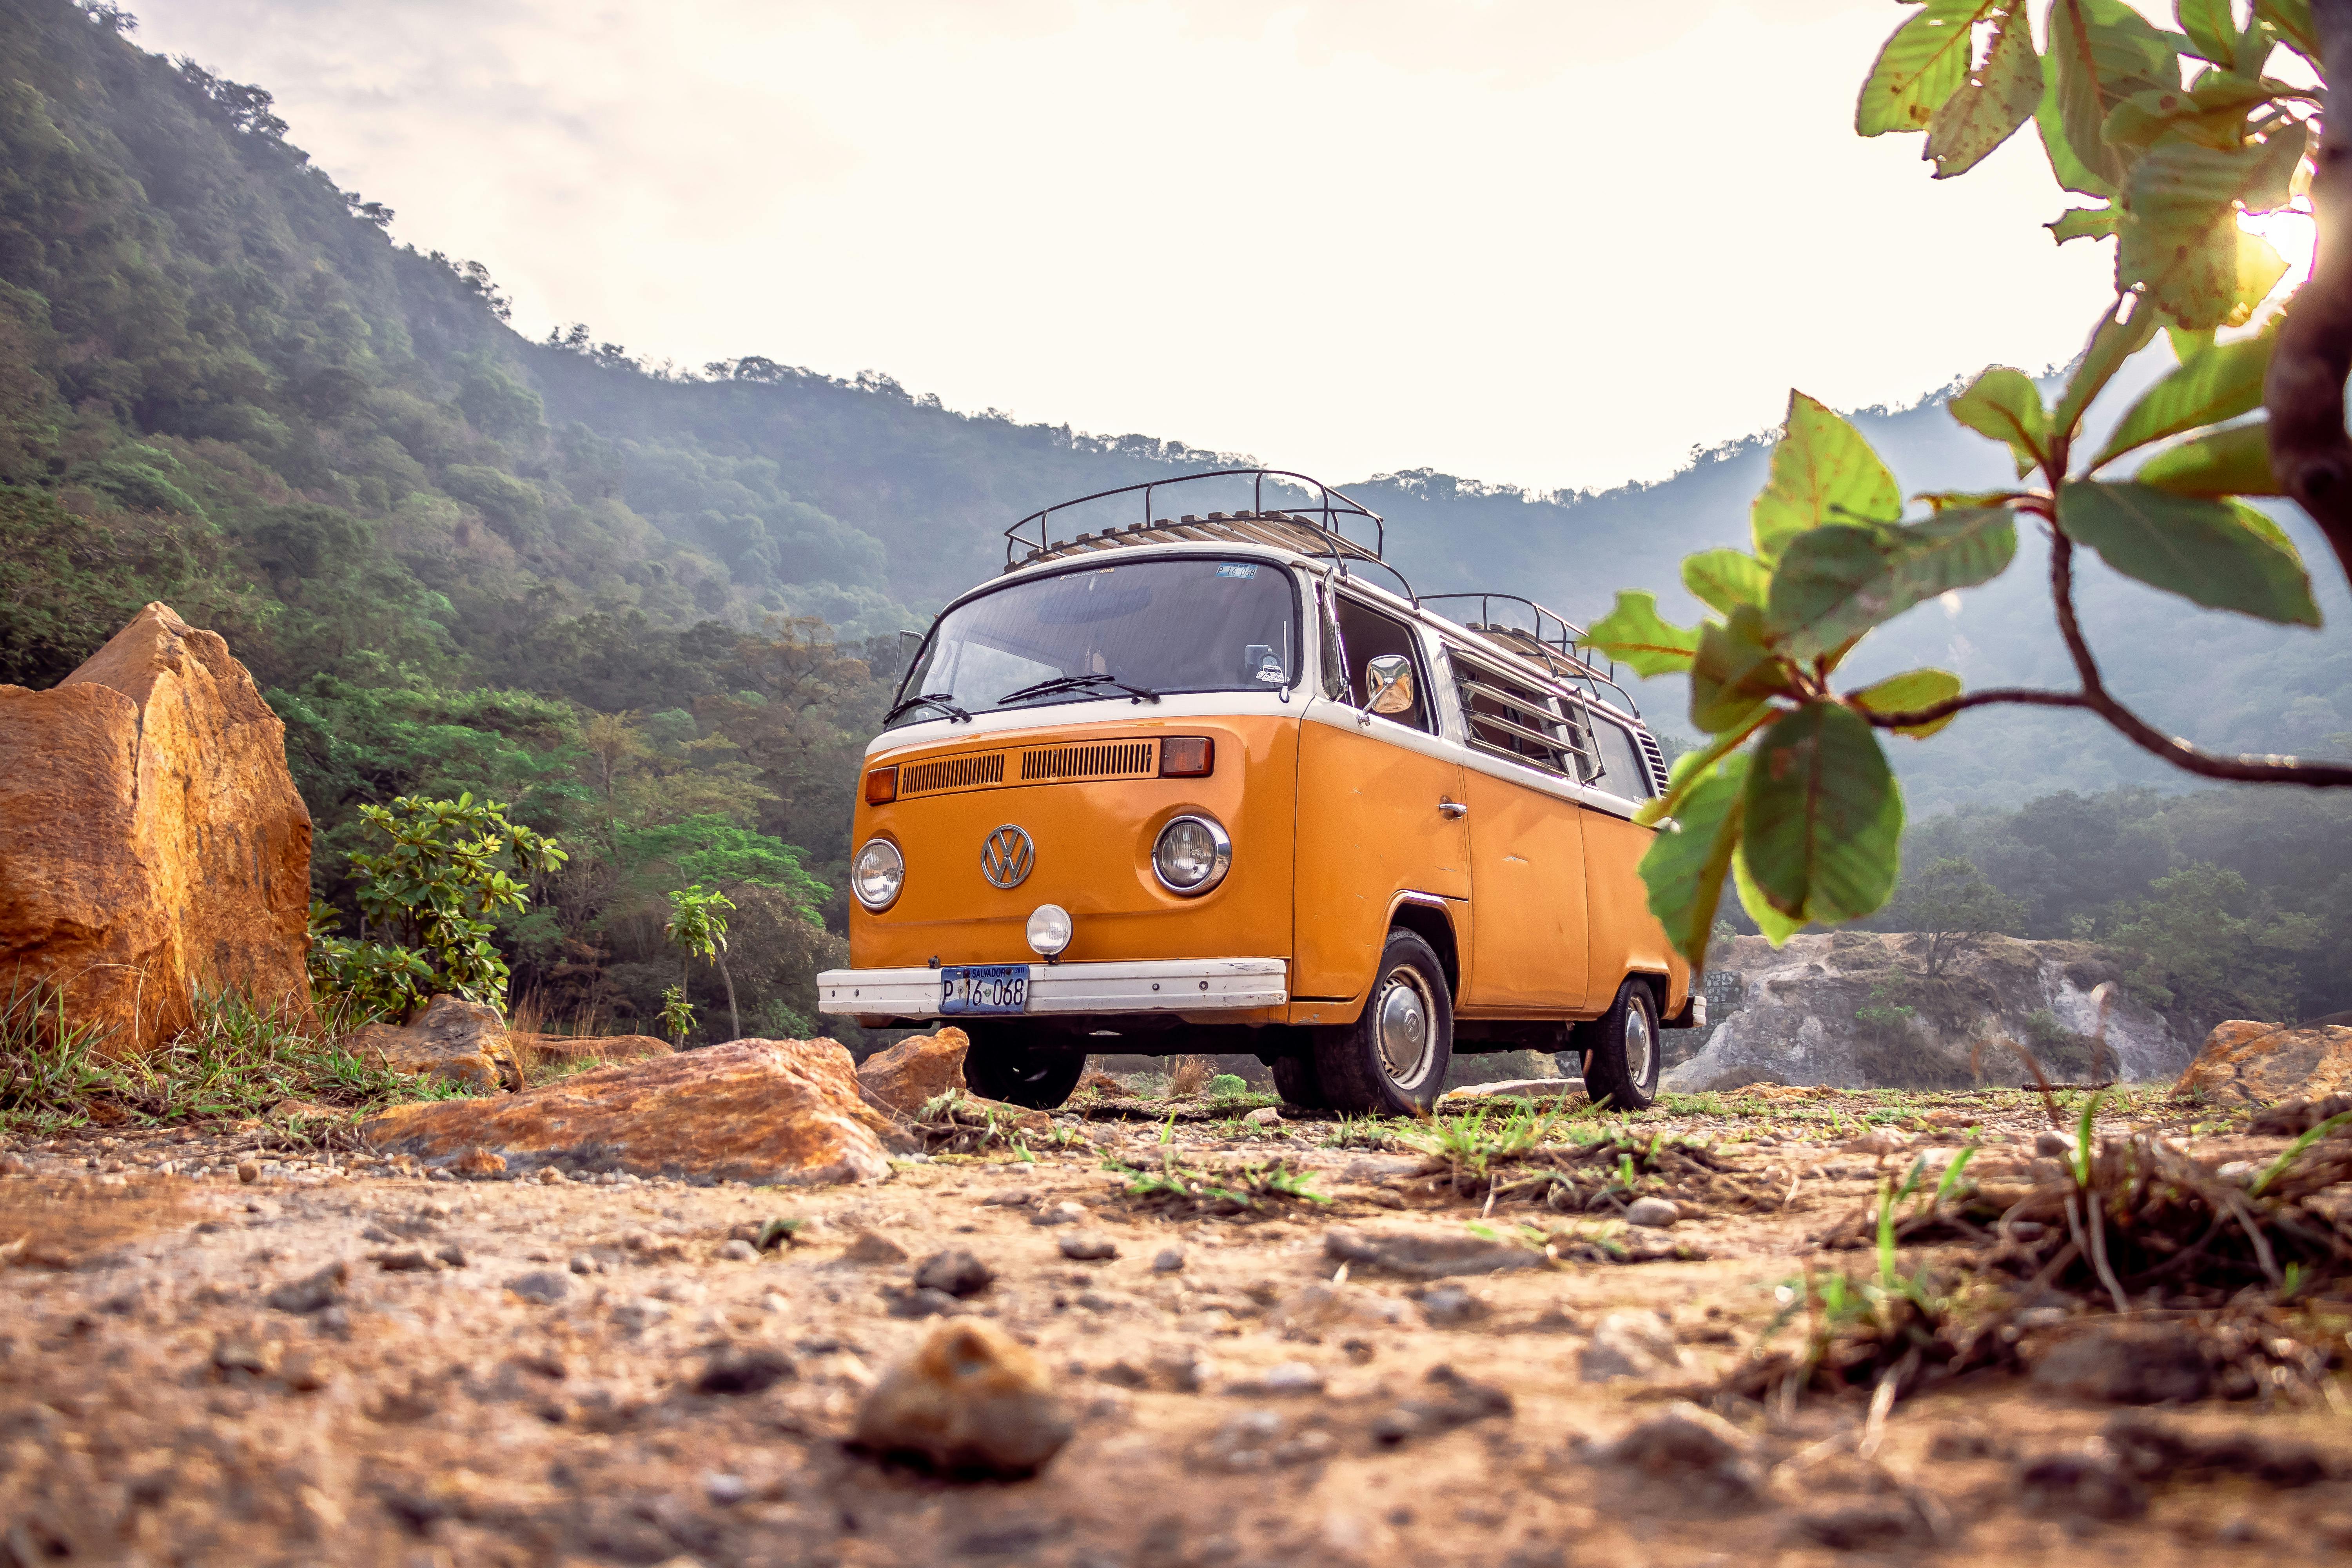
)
(878, 874)
(1191, 855)
(1049, 930)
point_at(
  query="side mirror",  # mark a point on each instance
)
(1389, 677)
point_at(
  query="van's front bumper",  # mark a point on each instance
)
(1141, 985)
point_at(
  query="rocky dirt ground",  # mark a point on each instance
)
(216, 1348)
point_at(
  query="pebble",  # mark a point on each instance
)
(550, 1176)
(1062, 1213)
(582, 1264)
(954, 1272)
(1694, 1450)
(1088, 1247)
(2238, 1173)
(972, 1400)
(249, 1171)
(745, 1372)
(872, 1247)
(1168, 1260)
(921, 1302)
(1627, 1344)
(450, 1253)
(1289, 1377)
(1263, 1116)
(543, 1285)
(739, 1251)
(1655, 1213)
(2050, 1143)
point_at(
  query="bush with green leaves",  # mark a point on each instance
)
(1792, 800)
(448, 866)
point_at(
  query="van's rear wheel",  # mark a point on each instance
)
(1391, 1061)
(1011, 1063)
(1295, 1080)
(1622, 1056)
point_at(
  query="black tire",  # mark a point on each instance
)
(1011, 1063)
(1622, 1050)
(1391, 1061)
(1295, 1080)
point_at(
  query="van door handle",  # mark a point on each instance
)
(1451, 809)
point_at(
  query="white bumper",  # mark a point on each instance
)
(1143, 986)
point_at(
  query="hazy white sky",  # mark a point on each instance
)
(1549, 242)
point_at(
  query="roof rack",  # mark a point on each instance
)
(1311, 529)
(1549, 639)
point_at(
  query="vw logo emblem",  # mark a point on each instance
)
(1006, 856)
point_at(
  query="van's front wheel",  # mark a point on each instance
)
(1622, 1056)
(1391, 1061)
(1011, 1063)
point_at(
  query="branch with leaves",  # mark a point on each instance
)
(1792, 800)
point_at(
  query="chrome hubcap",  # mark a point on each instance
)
(1638, 1044)
(1403, 1022)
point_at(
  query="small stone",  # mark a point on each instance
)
(956, 1272)
(2082, 1485)
(2149, 1363)
(2050, 1143)
(305, 1372)
(1289, 1377)
(972, 1399)
(739, 1251)
(1168, 1260)
(1652, 1213)
(1263, 1116)
(313, 1293)
(1181, 1368)
(478, 1164)
(1088, 1246)
(582, 1264)
(1062, 1213)
(1447, 1305)
(249, 1171)
(745, 1372)
(921, 1303)
(407, 1260)
(550, 1176)
(1010, 1199)
(639, 1314)
(872, 1247)
(450, 1253)
(1627, 1344)
(13, 1165)
(1694, 1450)
(725, 1491)
(2238, 1173)
(232, 1355)
(543, 1285)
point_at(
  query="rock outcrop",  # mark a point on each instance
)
(2247, 1063)
(916, 1071)
(1853, 1010)
(770, 1112)
(449, 1038)
(152, 841)
(563, 1050)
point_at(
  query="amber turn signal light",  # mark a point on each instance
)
(881, 786)
(1186, 757)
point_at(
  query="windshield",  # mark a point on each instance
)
(1125, 629)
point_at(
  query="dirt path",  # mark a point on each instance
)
(527, 1374)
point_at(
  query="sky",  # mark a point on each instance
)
(1551, 243)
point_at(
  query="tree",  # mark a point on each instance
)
(697, 929)
(2204, 946)
(449, 867)
(1950, 903)
(1792, 800)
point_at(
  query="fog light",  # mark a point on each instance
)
(1049, 930)
(878, 874)
(1192, 855)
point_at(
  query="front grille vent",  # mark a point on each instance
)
(1117, 760)
(951, 773)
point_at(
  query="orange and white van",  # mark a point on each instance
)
(1205, 784)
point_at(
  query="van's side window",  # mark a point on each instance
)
(1512, 719)
(1622, 771)
(1369, 633)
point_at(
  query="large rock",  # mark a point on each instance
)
(449, 1038)
(770, 1112)
(534, 1050)
(152, 841)
(1827, 1010)
(2247, 1063)
(916, 1071)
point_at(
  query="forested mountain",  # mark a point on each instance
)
(655, 609)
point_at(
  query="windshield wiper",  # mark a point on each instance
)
(935, 699)
(1079, 683)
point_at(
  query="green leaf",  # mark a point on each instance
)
(2233, 462)
(1723, 580)
(2260, 267)
(2005, 404)
(2213, 553)
(1687, 863)
(1777, 927)
(1907, 693)
(1835, 583)
(2215, 383)
(2180, 235)
(1637, 636)
(1735, 670)
(1822, 471)
(1692, 765)
(2293, 20)
(1824, 819)
(1997, 97)
(1923, 64)
(2084, 222)
(2212, 30)
(2211, 114)
(2112, 342)
(2074, 90)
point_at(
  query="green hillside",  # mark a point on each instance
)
(657, 609)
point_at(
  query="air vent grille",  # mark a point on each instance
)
(951, 773)
(1656, 758)
(1117, 759)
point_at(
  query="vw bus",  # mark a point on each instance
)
(1211, 783)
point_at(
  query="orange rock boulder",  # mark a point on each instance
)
(449, 1038)
(916, 1071)
(2246, 1063)
(770, 1112)
(152, 841)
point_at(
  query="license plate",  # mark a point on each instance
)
(984, 988)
